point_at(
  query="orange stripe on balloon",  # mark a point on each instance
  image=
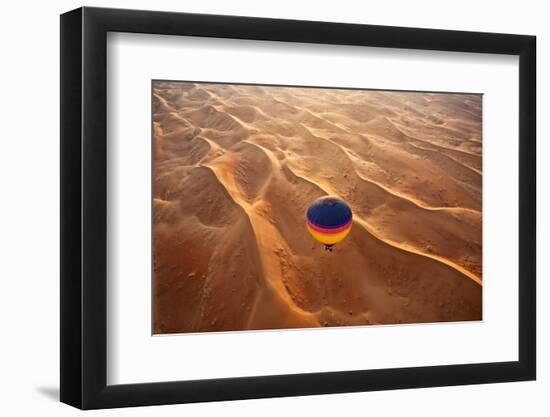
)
(328, 238)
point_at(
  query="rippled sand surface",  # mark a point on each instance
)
(235, 168)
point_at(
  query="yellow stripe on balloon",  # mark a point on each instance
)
(328, 238)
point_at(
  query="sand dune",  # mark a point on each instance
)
(235, 168)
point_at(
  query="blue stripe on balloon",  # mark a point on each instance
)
(329, 212)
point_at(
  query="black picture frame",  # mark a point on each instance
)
(84, 207)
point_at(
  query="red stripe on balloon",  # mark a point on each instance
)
(329, 230)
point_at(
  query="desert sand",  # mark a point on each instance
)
(235, 168)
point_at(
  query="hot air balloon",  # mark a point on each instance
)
(329, 220)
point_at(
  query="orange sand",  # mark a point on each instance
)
(235, 168)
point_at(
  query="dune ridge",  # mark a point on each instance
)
(235, 168)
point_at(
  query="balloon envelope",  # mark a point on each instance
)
(329, 220)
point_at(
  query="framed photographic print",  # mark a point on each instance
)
(257, 207)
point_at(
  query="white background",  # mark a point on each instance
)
(134, 356)
(29, 214)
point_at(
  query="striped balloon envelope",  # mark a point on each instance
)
(329, 220)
